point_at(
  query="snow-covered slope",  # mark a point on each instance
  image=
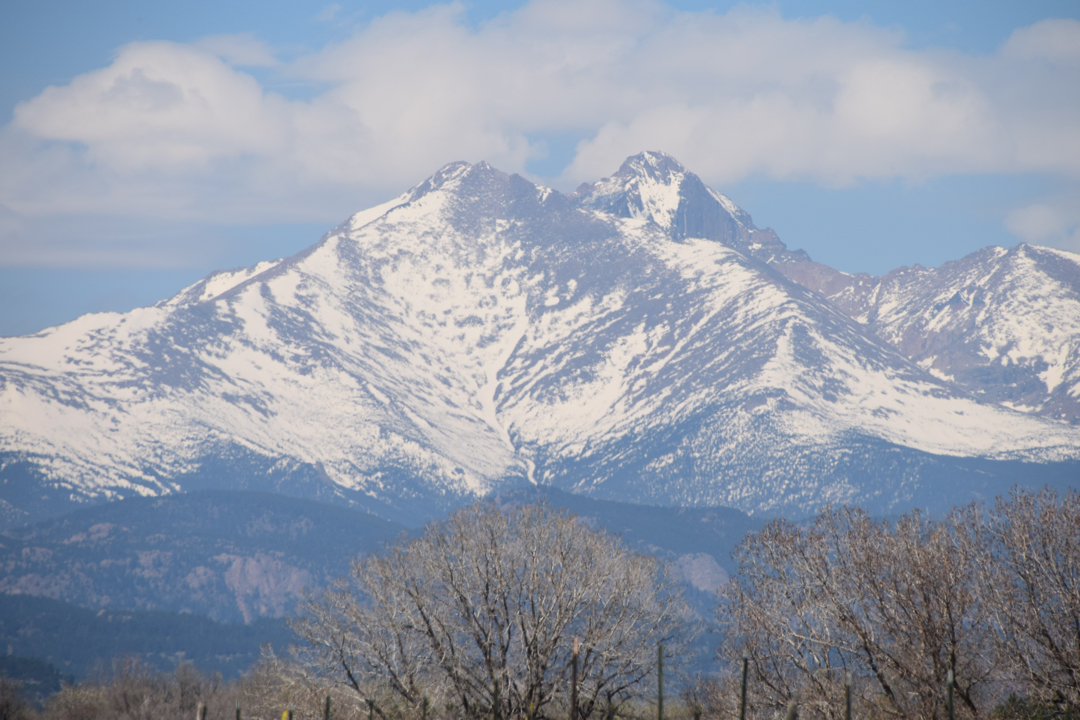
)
(1002, 324)
(629, 341)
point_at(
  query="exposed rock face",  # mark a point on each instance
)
(701, 571)
(263, 584)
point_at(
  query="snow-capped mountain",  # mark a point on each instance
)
(630, 341)
(1002, 324)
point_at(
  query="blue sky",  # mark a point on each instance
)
(144, 145)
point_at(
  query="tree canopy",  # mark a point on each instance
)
(482, 611)
(990, 596)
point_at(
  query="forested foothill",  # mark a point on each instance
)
(524, 611)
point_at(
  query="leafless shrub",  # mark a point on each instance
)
(275, 684)
(132, 691)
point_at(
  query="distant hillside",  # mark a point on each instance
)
(239, 556)
(670, 533)
(245, 556)
(234, 556)
(74, 639)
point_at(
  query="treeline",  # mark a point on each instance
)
(990, 595)
(128, 689)
(527, 613)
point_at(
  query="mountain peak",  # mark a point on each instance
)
(456, 174)
(648, 185)
(652, 166)
(655, 186)
(452, 170)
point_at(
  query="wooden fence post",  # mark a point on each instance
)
(742, 696)
(847, 697)
(573, 681)
(660, 682)
(949, 684)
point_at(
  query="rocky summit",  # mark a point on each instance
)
(637, 340)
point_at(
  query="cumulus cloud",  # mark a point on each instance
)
(1057, 40)
(163, 106)
(184, 131)
(1052, 221)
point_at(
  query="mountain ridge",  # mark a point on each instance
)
(990, 359)
(480, 332)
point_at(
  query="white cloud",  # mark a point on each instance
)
(160, 106)
(1052, 221)
(1057, 40)
(242, 50)
(178, 131)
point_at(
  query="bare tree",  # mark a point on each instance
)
(482, 610)
(1030, 579)
(893, 605)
